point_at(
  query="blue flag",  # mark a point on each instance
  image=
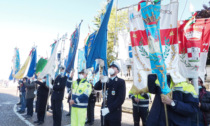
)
(151, 16)
(81, 60)
(73, 49)
(99, 46)
(10, 76)
(89, 44)
(32, 67)
(17, 61)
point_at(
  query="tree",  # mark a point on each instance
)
(122, 19)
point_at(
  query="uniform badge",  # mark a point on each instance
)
(80, 91)
(58, 83)
(116, 79)
(113, 92)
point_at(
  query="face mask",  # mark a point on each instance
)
(199, 87)
(111, 71)
(81, 76)
(62, 73)
(43, 80)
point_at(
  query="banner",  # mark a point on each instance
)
(20, 74)
(49, 69)
(98, 50)
(73, 49)
(81, 60)
(194, 41)
(163, 38)
(16, 61)
(40, 65)
(32, 67)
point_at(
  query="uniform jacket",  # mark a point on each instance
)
(143, 99)
(186, 104)
(42, 95)
(30, 90)
(81, 91)
(204, 110)
(115, 98)
(59, 87)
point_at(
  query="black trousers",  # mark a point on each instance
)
(57, 112)
(140, 112)
(40, 115)
(90, 111)
(29, 105)
(110, 122)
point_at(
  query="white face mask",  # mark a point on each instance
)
(43, 80)
(111, 71)
(81, 76)
(62, 73)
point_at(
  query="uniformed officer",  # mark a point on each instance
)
(140, 107)
(81, 91)
(57, 97)
(112, 112)
(180, 105)
(91, 106)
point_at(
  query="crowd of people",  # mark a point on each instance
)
(183, 106)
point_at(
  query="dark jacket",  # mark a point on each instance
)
(115, 98)
(42, 95)
(30, 90)
(186, 104)
(204, 111)
(59, 88)
(22, 87)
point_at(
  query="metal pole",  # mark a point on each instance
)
(195, 83)
(115, 30)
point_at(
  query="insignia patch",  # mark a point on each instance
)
(80, 91)
(113, 92)
(58, 83)
(116, 79)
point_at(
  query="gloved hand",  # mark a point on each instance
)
(104, 79)
(104, 111)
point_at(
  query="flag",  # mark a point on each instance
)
(89, 44)
(16, 61)
(20, 74)
(10, 76)
(73, 49)
(99, 47)
(49, 69)
(32, 67)
(193, 48)
(190, 21)
(40, 65)
(81, 60)
(161, 38)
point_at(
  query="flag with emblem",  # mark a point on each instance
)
(40, 65)
(193, 47)
(49, 69)
(81, 60)
(16, 61)
(154, 43)
(99, 46)
(73, 49)
(22, 72)
(32, 67)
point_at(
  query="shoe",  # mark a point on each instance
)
(18, 103)
(91, 123)
(37, 121)
(21, 112)
(28, 117)
(87, 122)
(68, 114)
(40, 123)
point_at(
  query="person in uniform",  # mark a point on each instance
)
(42, 96)
(57, 97)
(116, 91)
(81, 91)
(181, 102)
(91, 106)
(140, 107)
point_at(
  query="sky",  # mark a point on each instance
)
(25, 23)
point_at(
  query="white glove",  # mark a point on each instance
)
(104, 111)
(104, 79)
(50, 86)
